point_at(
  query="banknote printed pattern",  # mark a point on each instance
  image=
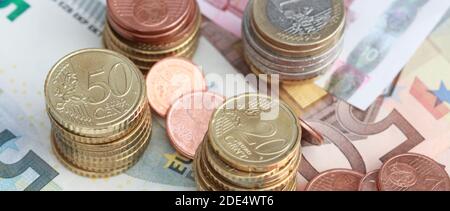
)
(90, 13)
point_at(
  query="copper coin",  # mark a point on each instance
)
(413, 172)
(188, 119)
(182, 29)
(310, 134)
(370, 182)
(148, 17)
(336, 180)
(171, 78)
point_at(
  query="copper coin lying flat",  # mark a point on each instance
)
(370, 182)
(413, 172)
(171, 78)
(188, 120)
(336, 180)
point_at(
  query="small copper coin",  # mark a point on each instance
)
(413, 172)
(188, 119)
(370, 182)
(310, 134)
(171, 78)
(148, 17)
(336, 180)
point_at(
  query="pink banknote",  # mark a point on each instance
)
(225, 13)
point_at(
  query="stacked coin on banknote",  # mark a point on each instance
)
(97, 103)
(253, 144)
(297, 40)
(148, 31)
(406, 172)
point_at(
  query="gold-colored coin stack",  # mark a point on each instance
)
(297, 40)
(253, 144)
(97, 104)
(149, 31)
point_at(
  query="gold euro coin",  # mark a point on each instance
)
(144, 123)
(251, 179)
(254, 133)
(87, 173)
(253, 144)
(95, 92)
(101, 121)
(103, 156)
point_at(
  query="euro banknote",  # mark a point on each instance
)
(34, 38)
(412, 117)
(380, 38)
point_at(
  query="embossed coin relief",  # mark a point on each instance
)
(253, 143)
(97, 106)
(297, 40)
(93, 89)
(413, 172)
(299, 17)
(151, 12)
(148, 16)
(299, 22)
(336, 180)
(241, 131)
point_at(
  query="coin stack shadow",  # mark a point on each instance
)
(85, 145)
(156, 30)
(234, 157)
(292, 43)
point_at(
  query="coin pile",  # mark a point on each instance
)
(297, 40)
(97, 103)
(148, 31)
(406, 172)
(253, 144)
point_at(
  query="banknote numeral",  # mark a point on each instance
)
(370, 53)
(30, 160)
(348, 121)
(21, 7)
(342, 142)
(352, 124)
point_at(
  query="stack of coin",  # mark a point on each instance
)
(147, 31)
(253, 144)
(297, 40)
(97, 104)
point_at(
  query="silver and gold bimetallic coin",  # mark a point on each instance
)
(297, 40)
(253, 144)
(101, 121)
